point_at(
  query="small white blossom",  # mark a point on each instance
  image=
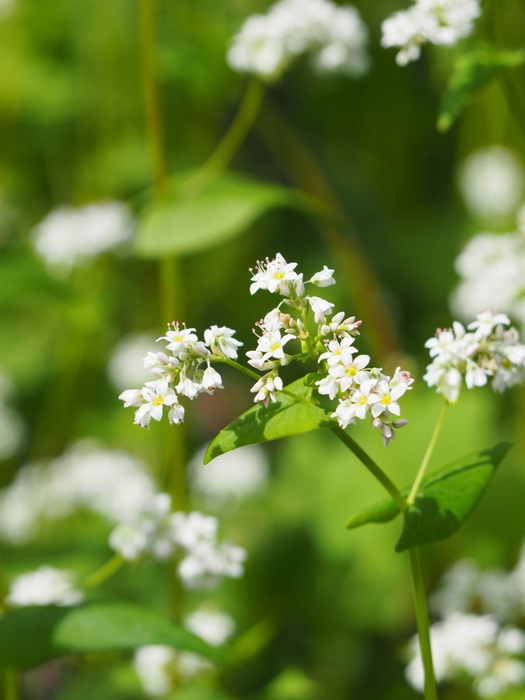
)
(321, 308)
(68, 236)
(156, 395)
(274, 276)
(220, 340)
(45, 586)
(267, 386)
(212, 626)
(324, 278)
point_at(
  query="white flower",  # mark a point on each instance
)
(68, 236)
(486, 321)
(155, 666)
(129, 540)
(211, 380)
(207, 562)
(335, 37)
(350, 371)
(337, 349)
(221, 342)
(491, 181)
(267, 386)
(320, 308)
(324, 278)
(126, 366)
(212, 626)
(387, 402)
(274, 275)
(178, 338)
(189, 529)
(234, 475)
(149, 531)
(156, 395)
(45, 586)
(442, 22)
(461, 643)
(363, 398)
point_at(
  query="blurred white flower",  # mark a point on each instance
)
(69, 236)
(212, 626)
(457, 589)
(491, 181)
(126, 364)
(109, 482)
(156, 669)
(334, 36)
(45, 586)
(442, 22)
(492, 274)
(461, 643)
(232, 476)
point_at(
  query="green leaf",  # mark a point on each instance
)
(443, 503)
(294, 412)
(383, 512)
(222, 211)
(106, 626)
(473, 71)
(30, 636)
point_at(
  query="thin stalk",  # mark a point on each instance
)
(428, 454)
(236, 365)
(369, 463)
(105, 572)
(173, 475)
(423, 624)
(11, 684)
(230, 143)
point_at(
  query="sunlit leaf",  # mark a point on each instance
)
(30, 636)
(473, 71)
(294, 412)
(222, 211)
(444, 501)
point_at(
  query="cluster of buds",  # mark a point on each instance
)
(361, 390)
(186, 371)
(488, 350)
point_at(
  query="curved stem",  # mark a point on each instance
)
(237, 365)
(230, 143)
(369, 463)
(423, 624)
(106, 571)
(430, 449)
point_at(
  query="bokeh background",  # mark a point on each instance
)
(334, 607)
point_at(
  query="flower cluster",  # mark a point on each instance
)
(442, 22)
(158, 666)
(487, 646)
(69, 236)
(334, 36)
(181, 372)
(361, 390)
(158, 532)
(109, 482)
(488, 350)
(45, 586)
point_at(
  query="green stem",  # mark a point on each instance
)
(230, 143)
(106, 571)
(236, 365)
(173, 475)
(369, 463)
(423, 624)
(430, 449)
(11, 684)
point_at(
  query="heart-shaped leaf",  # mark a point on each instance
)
(220, 212)
(472, 71)
(444, 501)
(29, 636)
(294, 412)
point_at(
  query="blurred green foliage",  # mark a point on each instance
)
(337, 604)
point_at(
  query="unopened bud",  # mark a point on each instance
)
(399, 423)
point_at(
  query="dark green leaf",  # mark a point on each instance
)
(294, 412)
(222, 211)
(444, 501)
(30, 636)
(473, 71)
(448, 498)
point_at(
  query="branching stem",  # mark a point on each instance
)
(428, 454)
(105, 572)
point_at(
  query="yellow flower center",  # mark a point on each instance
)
(278, 275)
(363, 400)
(351, 371)
(274, 347)
(158, 401)
(386, 400)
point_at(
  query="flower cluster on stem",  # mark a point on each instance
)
(486, 349)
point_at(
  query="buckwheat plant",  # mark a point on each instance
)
(343, 388)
